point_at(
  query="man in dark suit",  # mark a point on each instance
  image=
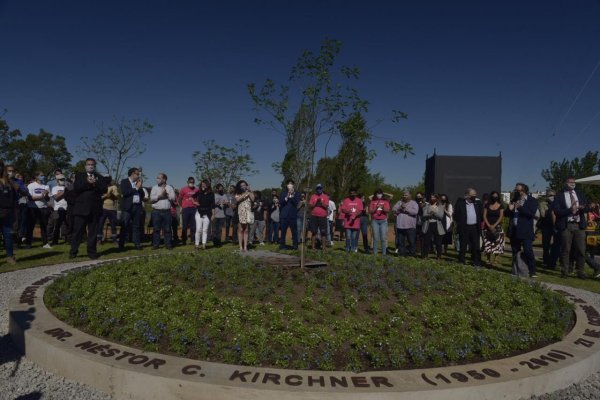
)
(131, 208)
(468, 213)
(288, 212)
(570, 207)
(88, 189)
(521, 211)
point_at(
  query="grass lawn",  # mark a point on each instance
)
(38, 256)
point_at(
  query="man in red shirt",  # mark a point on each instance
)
(188, 209)
(319, 203)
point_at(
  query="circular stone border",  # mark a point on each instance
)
(127, 372)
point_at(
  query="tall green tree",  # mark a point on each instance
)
(43, 151)
(116, 144)
(222, 164)
(587, 165)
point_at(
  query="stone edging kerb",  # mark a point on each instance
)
(132, 373)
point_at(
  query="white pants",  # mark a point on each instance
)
(202, 224)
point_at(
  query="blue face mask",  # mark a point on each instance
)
(42, 179)
(319, 191)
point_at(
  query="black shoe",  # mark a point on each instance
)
(154, 247)
(72, 256)
(563, 275)
(169, 248)
(121, 248)
(138, 247)
(581, 276)
(93, 256)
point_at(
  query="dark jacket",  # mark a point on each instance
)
(563, 212)
(460, 213)
(88, 196)
(525, 229)
(206, 203)
(127, 191)
(288, 209)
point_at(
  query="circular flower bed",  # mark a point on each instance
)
(360, 313)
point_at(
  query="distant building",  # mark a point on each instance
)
(453, 174)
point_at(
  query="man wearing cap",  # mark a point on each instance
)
(550, 236)
(319, 205)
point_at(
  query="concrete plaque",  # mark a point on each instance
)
(131, 373)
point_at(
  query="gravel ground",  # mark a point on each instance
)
(24, 380)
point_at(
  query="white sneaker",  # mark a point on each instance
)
(261, 243)
(47, 246)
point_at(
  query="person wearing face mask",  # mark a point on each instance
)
(406, 211)
(37, 209)
(162, 197)
(20, 225)
(570, 207)
(319, 204)
(59, 215)
(289, 201)
(352, 208)
(109, 211)
(205, 206)
(221, 204)
(8, 206)
(420, 240)
(493, 236)
(379, 208)
(468, 213)
(89, 186)
(131, 208)
(521, 213)
(448, 221)
(244, 197)
(188, 210)
(547, 226)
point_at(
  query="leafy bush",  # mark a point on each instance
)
(359, 313)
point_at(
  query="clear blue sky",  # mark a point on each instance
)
(476, 78)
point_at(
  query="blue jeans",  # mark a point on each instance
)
(299, 226)
(274, 232)
(7, 225)
(352, 239)
(131, 218)
(379, 235)
(409, 235)
(161, 220)
(188, 223)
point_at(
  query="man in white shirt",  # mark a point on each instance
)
(38, 210)
(59, 215)
(162, 197)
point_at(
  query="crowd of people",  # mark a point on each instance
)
(81, 205)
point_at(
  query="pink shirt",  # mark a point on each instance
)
(186, 195)
(319, 211)
(379, 208)
(352, 210)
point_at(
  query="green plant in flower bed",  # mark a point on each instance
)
(359, 313)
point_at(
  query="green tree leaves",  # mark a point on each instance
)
(225, 165)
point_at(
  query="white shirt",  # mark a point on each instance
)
(471, 215)
(62, 203)
(569, 205)
(330, 210)
(162, 204)
(36, 189)
(136, 196)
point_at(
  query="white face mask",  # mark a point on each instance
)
(551, 198)
(571, 186)
(290, 187)
(89, 169)
(379, 195)
(191, 185)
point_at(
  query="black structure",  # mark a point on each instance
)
(452, 175)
